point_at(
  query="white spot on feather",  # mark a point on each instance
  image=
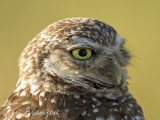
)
(115, 110)
(130, 105)
(84, 113)
(8, 107)
(34, 88)
(28, 115)
(53, 101)
(114, 104)
(47, 86)
(40, 103)
(93, 106)
(94, 99)
(125, 117)
(119, 40)
(72, 32)
(100, 118)
(84, 101)
(25, 68)
(29, 53)
(95, 110)
(18, 88)
(23, 93)
(25, 103)
(138, 118)
(99, 103)
(36, 92)
(23, 60)
(19, 115)
(124, 99)
(42, 94)
(23, 84)
(77, 96)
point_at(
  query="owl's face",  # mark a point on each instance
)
(84, 62)
(80, 51)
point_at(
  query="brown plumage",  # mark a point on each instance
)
(73, 70)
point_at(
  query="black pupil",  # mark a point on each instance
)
(82, 52)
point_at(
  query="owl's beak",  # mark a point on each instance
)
(111, 74)
(113, 71)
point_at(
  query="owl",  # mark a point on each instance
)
(75, 69)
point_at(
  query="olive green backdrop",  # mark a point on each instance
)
(138, 21)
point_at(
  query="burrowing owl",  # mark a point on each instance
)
(73, 70)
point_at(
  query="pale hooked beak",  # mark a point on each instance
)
(108, 75)
(112, 71)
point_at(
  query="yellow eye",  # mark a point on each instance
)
(82, 54)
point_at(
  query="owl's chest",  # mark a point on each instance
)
(76, 107)
(71, 107)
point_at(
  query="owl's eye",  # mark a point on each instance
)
(82, 54)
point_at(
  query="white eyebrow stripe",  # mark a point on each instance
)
(119, 40)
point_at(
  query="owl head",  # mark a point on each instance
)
(81, 53)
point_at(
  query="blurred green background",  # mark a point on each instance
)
(137, 21)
